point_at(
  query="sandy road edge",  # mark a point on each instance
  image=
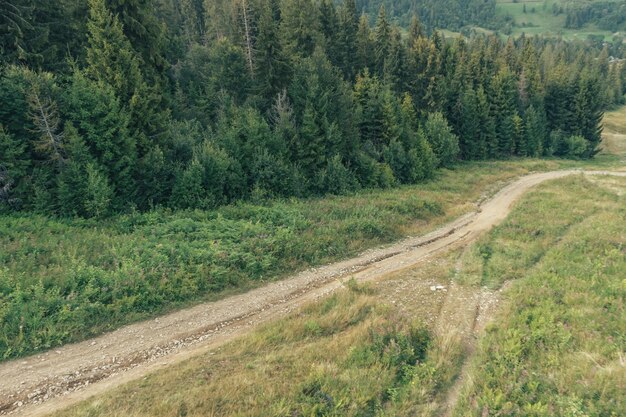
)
(56, 383)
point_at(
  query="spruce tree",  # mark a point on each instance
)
(144, 31)
(98, 193)
(421, 158)
(311, 145)
(432, 77)
(154, 180)
(300, 27)
(220, 19)
(335, 178)
(111, 59)
(392, 119)
(487, 145)
(364, 46)
(348, 25)
(222, 177)
(272, 66)
(369, 96)
(283, 120)
(110, 56)
(319, 84)
(188, 191)
(534, 131)
(16, 22)
(416, 31)
(192, 24)
(396, 157)
(394, 71)
(45, 117)
(382, 41)
(558, 101)
(419, 155)
(503, 104)
(72, 177)
(519, 136)
(14, 111)
(409, 115)
(243, 133)
(329, 28)
(103, 124)
(417, 61)
(444, 143)
(588, 112)
(40, 34)
(470, 144)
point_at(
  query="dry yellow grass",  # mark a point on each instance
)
(270, 372)
(614, 136)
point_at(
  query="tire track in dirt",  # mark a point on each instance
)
(43, 383)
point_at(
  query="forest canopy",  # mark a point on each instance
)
(112, 105)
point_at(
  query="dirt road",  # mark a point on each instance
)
(41, 384)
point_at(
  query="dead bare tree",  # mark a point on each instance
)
(281, 109)
(246, 17)
(522, 87)
(46, 119)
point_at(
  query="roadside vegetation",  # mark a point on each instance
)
(554, 349)
(66, 280)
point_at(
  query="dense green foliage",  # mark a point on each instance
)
(67, 279)
(64, 280)
(191, 104)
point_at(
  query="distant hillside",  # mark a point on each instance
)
(607, 15)
(569, 18)
(442, 14)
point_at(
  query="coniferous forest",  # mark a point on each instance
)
(111, 105)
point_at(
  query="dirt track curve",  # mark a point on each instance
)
(47, 382)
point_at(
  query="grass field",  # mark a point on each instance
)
(554, 350)
(557, 348)
(541, 21)
(67, 280)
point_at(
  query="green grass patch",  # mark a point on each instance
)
(65, 280)
(557, 348)
(523, 239)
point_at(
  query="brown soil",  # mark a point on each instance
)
(44, 383)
